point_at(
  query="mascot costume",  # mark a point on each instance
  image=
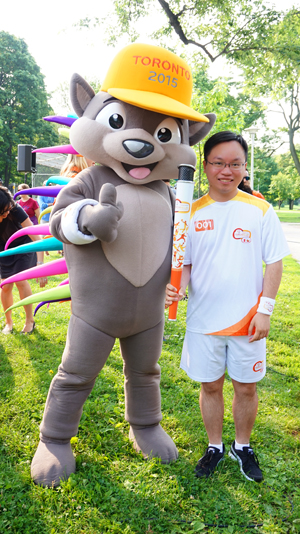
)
(115, 220)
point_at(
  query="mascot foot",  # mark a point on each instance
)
(153, 442)
(52, 463)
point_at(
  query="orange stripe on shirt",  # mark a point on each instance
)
(253, 200)
(241, 327)
(201, 203)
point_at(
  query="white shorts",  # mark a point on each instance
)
(204, 357)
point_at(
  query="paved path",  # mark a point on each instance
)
(292, 234)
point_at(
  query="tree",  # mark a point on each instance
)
(265, 163)
(292, 118)
(285, 187)
(23, 103)
(278, 76)
(285, 184)
(215, 28)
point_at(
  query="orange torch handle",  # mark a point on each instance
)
(175, 281)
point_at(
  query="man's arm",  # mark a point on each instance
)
(260, 321)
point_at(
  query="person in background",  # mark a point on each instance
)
(245, 186)
(229, 236)
(75, 164)
(44, 203)
(29, 205)
(12, 219)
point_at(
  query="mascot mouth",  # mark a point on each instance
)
(141, 172)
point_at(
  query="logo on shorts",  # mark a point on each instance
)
(202, 226)
(243, 235)
(258, 366)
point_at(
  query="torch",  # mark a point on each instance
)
(184, 196)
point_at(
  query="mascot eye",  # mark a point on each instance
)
(116, 121)
(112, 116)
(168, 132)
(164, 135)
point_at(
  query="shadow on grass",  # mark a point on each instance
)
(19, 510)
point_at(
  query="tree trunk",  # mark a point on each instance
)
(279, 204)
(293, 150)
(291, 204)
(6, 175)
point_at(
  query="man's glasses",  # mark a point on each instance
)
(222, 165)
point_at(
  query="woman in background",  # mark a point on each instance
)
(29, 205)
(74, 165)
(13, 218)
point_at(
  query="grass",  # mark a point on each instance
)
(286, 215)
(114, 490)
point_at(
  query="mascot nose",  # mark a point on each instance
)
(138, 149)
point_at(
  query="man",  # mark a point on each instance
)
(228, 320)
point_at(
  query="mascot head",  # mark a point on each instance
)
(140, 124)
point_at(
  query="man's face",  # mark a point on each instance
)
(223, 182)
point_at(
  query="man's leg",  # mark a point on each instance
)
(244, 409)
(204, 360)
(212, 408)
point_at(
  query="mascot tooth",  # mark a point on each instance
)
(115, 220)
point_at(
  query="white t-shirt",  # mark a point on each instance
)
(226, 244)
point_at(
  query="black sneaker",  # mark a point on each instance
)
(208, 463)
(248, 461)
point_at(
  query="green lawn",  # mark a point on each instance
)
(286, 215)
(114, 490)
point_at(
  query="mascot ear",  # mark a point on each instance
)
(81, 94)
(198, 130)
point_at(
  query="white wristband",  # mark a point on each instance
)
(69, 224)
(266, 305)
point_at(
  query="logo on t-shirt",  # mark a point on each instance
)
(243, 235)
(201, 226)
(258, 367)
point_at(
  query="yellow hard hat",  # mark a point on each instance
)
(153, 78)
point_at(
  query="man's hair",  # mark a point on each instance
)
(6, 199)
(224, 137)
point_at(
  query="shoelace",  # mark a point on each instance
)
(251, 459)
(203, 462)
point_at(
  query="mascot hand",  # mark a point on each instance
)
(102, 220)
